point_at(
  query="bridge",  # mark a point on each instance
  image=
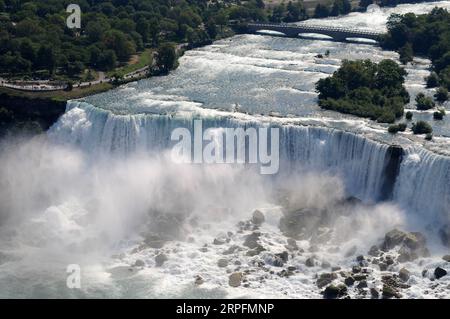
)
(339, 34)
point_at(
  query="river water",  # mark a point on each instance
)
(101, 181)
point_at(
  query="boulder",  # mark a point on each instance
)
(446, 258)
(374, 251)
(160, 260)
(325, 279)
(232, 249)
(362, 284)
(139, 263)
(284, 256)
(404, 274)
(390, 292)
(251, 241)
(235, 279)
(356, 269)
(392, 239)
(349, 281)
(310, 262)
(439, 273)
(219, 241)
(222, 263)
(374, 293)
(333, 292)
(199, 281)
(258, 218)
(154, 241)
(326, 264)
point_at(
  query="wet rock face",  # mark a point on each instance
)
(412, 245)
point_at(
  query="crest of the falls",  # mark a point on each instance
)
(416, 179)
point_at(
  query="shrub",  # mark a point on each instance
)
(422, 127)
(402, 127)
(441, 95)
(432, 80)
(439, 115)
(409, 115)
(429, 137)
(393, 129)
(424, 102)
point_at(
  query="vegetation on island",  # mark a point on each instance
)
(366, 89)
(425, 35)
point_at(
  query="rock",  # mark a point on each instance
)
(356, 269)
(444, 234)
(235, 279)
(291, 268)
(255, 252)
(284, 256)
(360, 258)
(374, 293)
(160, 260)
(251, 241)
(292, 243)
(446, 258)
(231, 250)
(439, 273)
(404, 274)
(351, 251)
(359, 277)
(349, 281)
(258, 218)
(222, 263)
(383, 266)
(374, 251)
(301, 224)
(362, 284)
(154, 241)
(335, 268)
(392, 239)
(199, 281)
(333, 292)
(325, 279)
(390, 292)
(424, 272)
(310, 262)
(326, 264)
(219, 241)
(415, 240)
(139, 263)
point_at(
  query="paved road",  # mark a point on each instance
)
(45, 86)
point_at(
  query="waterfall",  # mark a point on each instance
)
(372, 171)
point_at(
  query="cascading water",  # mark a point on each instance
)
(365, 165)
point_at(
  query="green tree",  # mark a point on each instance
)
(166, 58)
(422, 127)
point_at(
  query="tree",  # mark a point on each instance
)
(409, 115)
(46, 58)
(406, 53)
(321, 11)
(166, 58)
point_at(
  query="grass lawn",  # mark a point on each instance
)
(143, 59)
